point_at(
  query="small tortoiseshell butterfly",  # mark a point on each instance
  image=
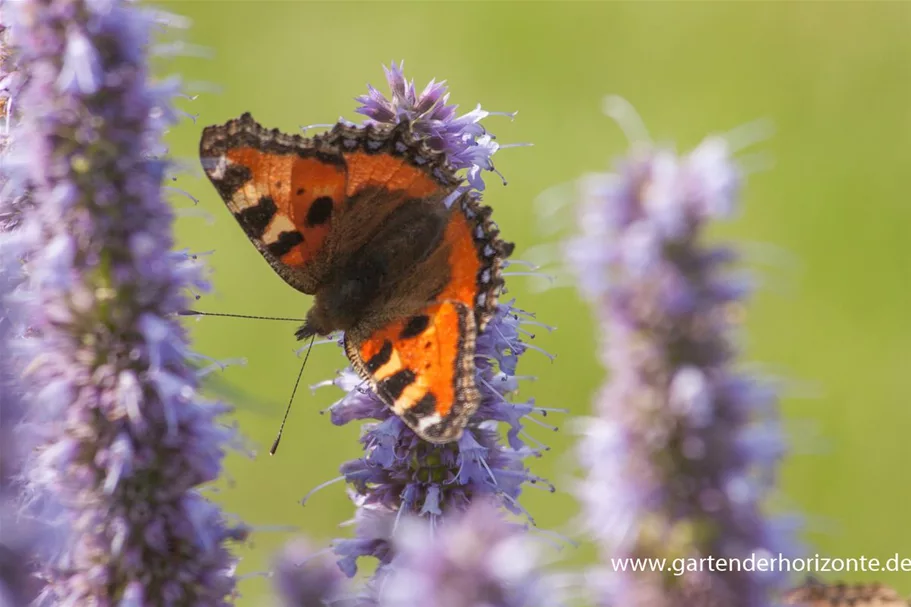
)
(814, 593)
(356, 217)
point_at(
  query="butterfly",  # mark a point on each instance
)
(371, 221)
(818, 594)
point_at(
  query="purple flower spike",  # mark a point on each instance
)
(683, 448)
(19, 533)
(399, 473)
(472, 560)
(465, 142)
(126, 438)
(18, 586)
(305, 578)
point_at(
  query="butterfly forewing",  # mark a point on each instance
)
(283, 190)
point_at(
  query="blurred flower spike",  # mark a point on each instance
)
(475, 559)
(400, 474)
(124, 438)
(682, 448)
(307, 578)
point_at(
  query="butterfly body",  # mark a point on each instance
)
(382, 279)
(358, 218)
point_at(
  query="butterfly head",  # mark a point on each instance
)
(343, 301)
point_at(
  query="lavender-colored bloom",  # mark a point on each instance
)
(465, 142)
(18, 533)
(15, 542)
(126, 438)
(400, 474)
(682, 448)
(13, 197)
(475, 560)
(305, 578)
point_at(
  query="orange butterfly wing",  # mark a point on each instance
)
(282, 189)
(423, 366)
(287, 191)
(419, 365)
(390, 172)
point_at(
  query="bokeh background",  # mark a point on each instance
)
(824, 224)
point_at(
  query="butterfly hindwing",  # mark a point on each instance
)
(476, 258)
(422, 367)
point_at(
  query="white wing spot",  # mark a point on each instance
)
(216, 167)
(426, 422)
(279, 224)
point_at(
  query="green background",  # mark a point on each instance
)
(824, 223)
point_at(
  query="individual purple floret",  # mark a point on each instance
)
(682, 448)
(465, 142)
(305, 578)
(477, 559)
(125, 439)
(401, 474)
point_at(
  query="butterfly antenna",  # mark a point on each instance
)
(291, 400)
(198, 313)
